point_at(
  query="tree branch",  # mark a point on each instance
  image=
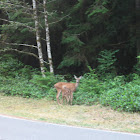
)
(59, 19)
(15, 44)
(15, 50)
(118, 43)
(22, 52)
(19, 23)
(15, 5)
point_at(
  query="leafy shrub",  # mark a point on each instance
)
(136, 68)
(124, 97)
(88, 90)
(9, 66)
(109, 83)
(12, 67)
(20, 87)
(52, 94)
(14, 78)
(48, 81)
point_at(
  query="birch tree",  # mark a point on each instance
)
(40, 54)
(48, 38)
(28, 9)
(15, 7)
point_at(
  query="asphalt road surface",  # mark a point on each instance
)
(21, 129)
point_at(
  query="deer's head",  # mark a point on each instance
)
(77, 78)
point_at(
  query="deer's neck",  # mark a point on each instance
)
(76, 85)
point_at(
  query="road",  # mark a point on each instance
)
(22, 129)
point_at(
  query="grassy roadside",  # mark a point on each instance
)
(94, 116)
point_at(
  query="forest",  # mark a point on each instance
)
(43, 42)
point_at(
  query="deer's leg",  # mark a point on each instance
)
(57, 96)
(63, 98)
(71, 98)
(67, 99)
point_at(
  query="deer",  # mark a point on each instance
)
(66, 88)
(67, 94)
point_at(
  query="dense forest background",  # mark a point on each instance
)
(99, 39)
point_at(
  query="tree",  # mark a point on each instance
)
(38, 38)
(100, 25)
(48, 38)
(21, 11)
(90, 27)
(137, 4)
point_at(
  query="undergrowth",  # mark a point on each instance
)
(121, 95)
(118, 92)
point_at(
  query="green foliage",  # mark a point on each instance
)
(81, 29)
(9, 66)
(90, 27)
(46, 82)
(74, 45)
(106, 62)
(51, 95)
(120, 93)
(12, 67)
(72, 40)
(136, 68)
(98, 7)
(78, 5)
(15, 76)
(69, 61)
(20, 87)
(122, 96)
(88, 90)
(112, 83)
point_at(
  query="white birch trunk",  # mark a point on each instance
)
(40, 54)
(48, 38)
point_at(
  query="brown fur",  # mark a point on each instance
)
(63, 86)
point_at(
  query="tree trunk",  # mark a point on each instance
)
(137, 4)
(48, 38)
(40, 54)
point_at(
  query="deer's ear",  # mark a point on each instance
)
(80, 77)
(75, 77)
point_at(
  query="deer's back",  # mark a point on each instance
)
(61, 85)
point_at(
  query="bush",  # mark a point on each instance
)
(120, 92)
(48, 81)
(51, 95)
(12, 67)
(89, 89)
(20, 87)
(124, 97)
(9, 66)
(109, 83)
